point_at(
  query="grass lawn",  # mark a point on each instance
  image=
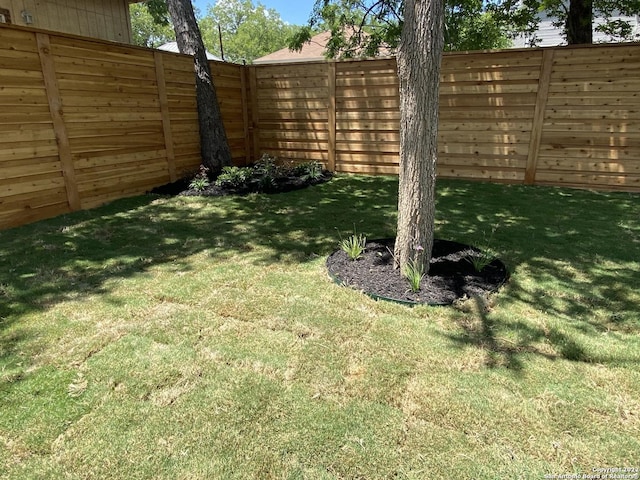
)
(200, 338)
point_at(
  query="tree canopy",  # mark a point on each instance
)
(575, 18)
(146, 31)
(248, 30)
(363, 26)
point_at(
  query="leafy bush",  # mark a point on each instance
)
(233, 177)
(265, 175)
(265, 172)
(311, 171)
(201, 181)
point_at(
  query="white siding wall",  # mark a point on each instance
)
(550, 36)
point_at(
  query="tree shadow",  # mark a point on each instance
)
(489, 333)
(582, 246)
(573, 257)
(74, 255)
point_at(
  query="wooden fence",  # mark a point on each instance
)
(84, 122)
(566, 116)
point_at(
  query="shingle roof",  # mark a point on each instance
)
(311, 51)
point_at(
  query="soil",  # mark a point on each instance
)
(451, 277)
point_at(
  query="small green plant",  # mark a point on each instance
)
(201, 180)
(310, 171)
(233, 177)
(480, 259)
(265, 172)
(354, 245)
(483, 256)
(414, 270)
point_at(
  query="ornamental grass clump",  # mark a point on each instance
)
(485, 255)
(414, 270)
(354, 245)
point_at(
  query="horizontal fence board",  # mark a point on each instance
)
(33, 183)
(627, 168)
(15, 218)
(28, 201)
(590, 179)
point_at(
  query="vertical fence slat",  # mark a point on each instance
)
(538, 116)
(255, 118)
(245, 116)
(331, 121)
(166, 120)
(59, 127)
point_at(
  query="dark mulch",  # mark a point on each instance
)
(281, 185)
(451, 275)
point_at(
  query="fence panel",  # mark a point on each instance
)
(32, 185)
(487, 105)
(85, 122)
(367, 117)
(591, 133)
(113, 118)
(290, 115)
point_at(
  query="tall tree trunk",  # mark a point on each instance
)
(419, 57)
(213, 138)
(579, 26)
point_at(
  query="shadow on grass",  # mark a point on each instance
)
(573, 255)
(508, 341)
(485, 331)
(74, 255)
(580, 245)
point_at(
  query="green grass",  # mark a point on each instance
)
(201, 338)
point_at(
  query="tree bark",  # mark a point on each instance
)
(419, 57)
(579, 26)
(213, 138)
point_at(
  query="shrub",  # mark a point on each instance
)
(311, 171)
(233, 177)
(201, 180)
(265, 172)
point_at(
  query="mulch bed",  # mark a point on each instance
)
(451, 275)
(281, 185)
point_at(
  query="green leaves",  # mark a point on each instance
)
(148, 27)
(353, 245)
(248, 31)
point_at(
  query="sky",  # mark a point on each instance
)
(295, 12)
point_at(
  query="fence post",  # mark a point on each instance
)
(245, 115)
(331, 121)
(255, 118)
(59, 127)
(164, 112)
(538, 116)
